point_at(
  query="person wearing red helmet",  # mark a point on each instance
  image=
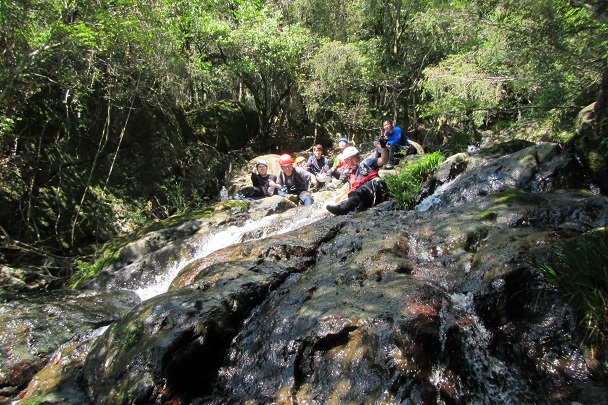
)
(293, 180)
(366, 188)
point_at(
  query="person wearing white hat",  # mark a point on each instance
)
(366, 188)
(340, 170)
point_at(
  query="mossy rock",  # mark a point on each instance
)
(592, 146)
(506, 148)
(226, 125)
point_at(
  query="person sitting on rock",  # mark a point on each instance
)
(263, 184)
(318, 165)
(366, 188)
(397, 140)
(301, 162)
(340, 169)
(293, 180)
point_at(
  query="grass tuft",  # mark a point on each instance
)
(405, 185)
(579, 270)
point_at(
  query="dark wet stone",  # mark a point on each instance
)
(34, 326)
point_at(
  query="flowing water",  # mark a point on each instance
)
(253, 229)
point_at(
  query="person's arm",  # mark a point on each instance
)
(326, 165)
(396, 138)
(254, 175)
(383, 159)
(307, 175)
(273, 182)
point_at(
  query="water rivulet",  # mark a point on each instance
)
(436, 305)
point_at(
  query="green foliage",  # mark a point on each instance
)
(86, 270)
(179, 199)
(579, 270)
(404, 186)
(337, 85)
(458, 88)
(88, 88)
(131, 334)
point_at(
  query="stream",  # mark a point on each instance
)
(260, 228)
(274, 304)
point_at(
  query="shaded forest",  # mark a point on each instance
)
(115, 113)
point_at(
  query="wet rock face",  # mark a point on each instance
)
(534, 169)
(33, 327)
(173, 344)
(436, 306)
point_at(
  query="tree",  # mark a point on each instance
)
(337, 87)
(266, 57)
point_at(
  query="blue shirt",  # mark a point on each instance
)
(395, 137)
(366, 167)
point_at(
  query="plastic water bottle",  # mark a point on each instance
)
(223, 194)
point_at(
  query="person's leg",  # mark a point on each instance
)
(306, 198)
(366, 195)
(391, 153)
(346, 206)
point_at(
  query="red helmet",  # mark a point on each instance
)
(285, 160)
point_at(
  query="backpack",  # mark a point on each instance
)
(406, 146)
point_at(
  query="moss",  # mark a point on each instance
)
(34, 401)
(488, 216)
(231, 204)
(132, 334)
(510, 195)
(110, 251)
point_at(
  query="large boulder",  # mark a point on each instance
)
(443, 305)
(34, 326)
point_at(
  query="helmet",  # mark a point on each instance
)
(285, 160)
(342, 140)
(322, 177)
(299, 159)
(350, 152)
(261, 162)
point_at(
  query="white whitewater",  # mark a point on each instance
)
(280, 223)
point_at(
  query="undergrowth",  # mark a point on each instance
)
(405, 185)
(109, 253)
(579, 270)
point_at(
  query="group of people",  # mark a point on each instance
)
(366, 187)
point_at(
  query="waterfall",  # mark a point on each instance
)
(434, 201)
(470, 351)
(268, 226)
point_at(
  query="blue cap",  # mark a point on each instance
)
(342, 139)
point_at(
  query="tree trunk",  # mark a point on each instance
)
(601, 107)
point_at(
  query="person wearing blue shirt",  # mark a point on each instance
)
(396, 141)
